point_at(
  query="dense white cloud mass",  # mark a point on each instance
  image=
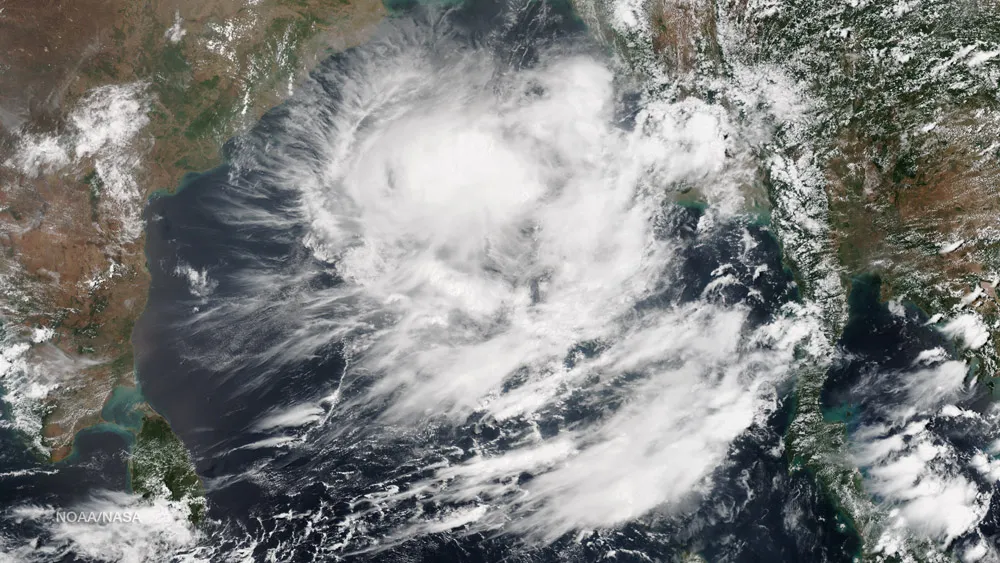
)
(496, 231)
(506, 253)
(106, 526)
(930, 486)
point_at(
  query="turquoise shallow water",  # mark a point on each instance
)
(123, 408)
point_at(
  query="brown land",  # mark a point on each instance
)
(893, 203)
(66, 264)
(685, 34)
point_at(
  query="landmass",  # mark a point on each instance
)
(103, 103)
(160, 467)
(881, 157)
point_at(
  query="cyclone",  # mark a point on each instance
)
(482, 283)
(478, 291)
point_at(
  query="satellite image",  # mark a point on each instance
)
(490, 281)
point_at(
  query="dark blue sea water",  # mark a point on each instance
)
(98, 463)
(303, 503)
(876, 387)
(759, 511)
